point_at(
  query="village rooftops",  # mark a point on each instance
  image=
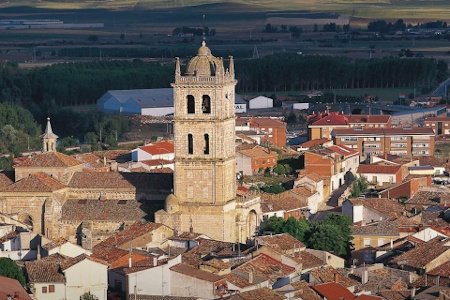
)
(405, 131)
(260, 122)
(196, 273)
(383, 228)
(423, 254)
(48, 160)
(336, 119)
(6, 179)
(258, 294)
(388, 207)
(437, 119)
(431, 196)
(283, 241)
(266, 266)
(330, 274)
(333, 291)
(340, 150)
(37, 182)
(255, 151)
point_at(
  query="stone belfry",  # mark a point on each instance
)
(204, 138)
(49, 138)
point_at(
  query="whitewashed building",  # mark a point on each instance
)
(260, 102)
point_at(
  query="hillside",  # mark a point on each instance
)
(408, 9)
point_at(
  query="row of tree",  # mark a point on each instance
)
(332, 234)
(83, 83)
(383, 26)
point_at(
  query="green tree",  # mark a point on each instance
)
(279, 169)
(359, 186)
(297, 228)
(273, 189)
(88, 296)
(10, 269)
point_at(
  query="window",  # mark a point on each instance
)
(366, 242)
(206, 104)
(206, 148)
(381, 242)
(190, 144)
(44, 290)
(51, 288)
(190, 104)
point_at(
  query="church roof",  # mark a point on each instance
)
(6, 178)
(115, 180)
(49, 160)
(37, 182)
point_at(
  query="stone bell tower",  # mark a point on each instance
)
(204, 129)
(49, 138)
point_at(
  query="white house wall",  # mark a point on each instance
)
(59, 294)
(86, 276)
(157, 111)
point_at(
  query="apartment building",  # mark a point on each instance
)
(440, 125)
(322, 127)
(405, 142)
(269, 130)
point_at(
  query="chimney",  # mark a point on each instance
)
(155, 261)
(413, 293)
(250, 277)
(336, 277)
(130, 262)
(392, 244)
(38, 255)
(365, 276)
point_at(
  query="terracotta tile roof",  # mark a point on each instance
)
(6, 178)
(266, 267)
(309, 260)
(258, 294)
(246, 138)
(437, 119)
(283, 241)
(395, 295)
(11, 287)
(145, 264)
(434, 161)
(37, 182)
(113, 154)
(329, 274)
(44, 272)
(90, 160)
(333, 119)
(115, 180)
(8, 236)
(383, 131)
(343, 150)
(367, 297)
(157, 162)
(313, 143)
(282, 202)
(112, 254)
(382, 279)
(302, 191)
(390, 208)
(161, 171)
(196, 273)
(216, 264)
(241, 279)
(333, 291)
(368, 119)
(151, 297)
(304, 291)
(313, 176)
(260, 122)
(378, 169)
(71, 261)
(442, 270)
(422, 254)
(207, 248)
(102, 210)
(383, 228)
(430, 197)
(162, 147)
(54, 244)
(258, 152)
(128, 234)
(186, 236)
(49, 160)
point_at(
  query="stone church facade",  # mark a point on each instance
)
(204, 198)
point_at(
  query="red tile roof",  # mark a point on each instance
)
(11, 287)
(316, 142)
(368, 119)
(333, 291)
(196, 273)
(258, 152)
(378, 169)
(266, 266)
(157, 162)
(383, 131)
(162, 147)
(128, 234)
(258, 294)
(260, 122)
(330, 274)
(437, 119)
(422, 254)
(49, 160)
(37, 182)
(333, 119)
(343, 150)
(442, 270)
(282, 241)
(44, 271)
(5, 179)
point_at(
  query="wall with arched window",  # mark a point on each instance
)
(206, 147)
(190, 104)
(190, 144)
(206, 104)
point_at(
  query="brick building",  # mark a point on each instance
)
(440, 125)
(251, 158)
(271, 130)
(406, 142)
(323, 126)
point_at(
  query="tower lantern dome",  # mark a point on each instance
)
(204, 64)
